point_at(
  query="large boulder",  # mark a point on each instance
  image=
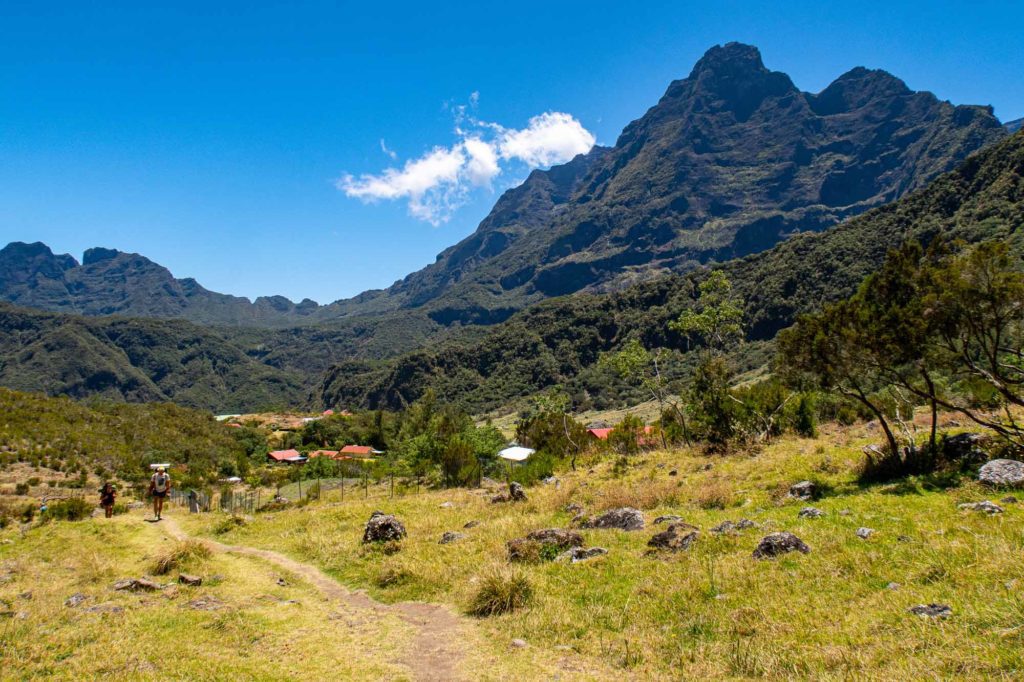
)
(1007, 473)
(623, 518)
(964, 447)
(984, 506)
(804, 490)
(776, 544)
(543, 544)
(383, 528)
(677, 537)
(516, 492)
(578, 554)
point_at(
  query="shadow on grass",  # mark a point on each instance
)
(917, 485)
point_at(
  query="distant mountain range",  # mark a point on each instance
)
(732, 160)
(733, 166)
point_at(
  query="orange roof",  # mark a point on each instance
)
(600, 434)
(361, 450)
(328, 413)
(283, 455)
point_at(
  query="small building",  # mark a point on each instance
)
(359, 451)
(287, 456)
(328, 412)
(329, 454)
(647, 438)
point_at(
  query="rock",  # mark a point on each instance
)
(383, 528)
(776, 544)
(984, 506)
(137, 585)
(732, 527)
(551, 480)
(75, 599)
(667, 518)
(516, 492)
(26, 595)
(1007, 473)
(106, 607)
(573, 508)
(893, 586)
(675, 538)
(932, 610)
(537, 542)
(471, 524)
(446, 505)
(864, 533)
(804, 490)
(578, 554)
(1009, 499)
(810, 513)
(450, 536)
(904, 538)
(190, 580)
(674, 472)
(518, 643)
(623, 518)
(281, 582)
(964, 446)
(207, 603)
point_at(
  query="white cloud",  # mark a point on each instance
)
(550, 138)
(390, 152)
(438, 183)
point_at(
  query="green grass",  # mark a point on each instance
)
(712, 611)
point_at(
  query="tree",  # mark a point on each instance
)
(637, 365)
(548, 426)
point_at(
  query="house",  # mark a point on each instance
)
(646, 439)
(599, 434)
(287, 456)
(328, 413)
(360, 451)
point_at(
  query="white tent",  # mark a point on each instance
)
(516, 453)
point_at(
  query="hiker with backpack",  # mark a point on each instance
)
(159, 488)
(107, 497)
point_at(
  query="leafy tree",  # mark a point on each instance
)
(640, 367)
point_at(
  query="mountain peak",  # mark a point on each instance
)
(855, 88)
(729, 59)
(98, 254)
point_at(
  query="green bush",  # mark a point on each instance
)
(501, 590)
(70, 509)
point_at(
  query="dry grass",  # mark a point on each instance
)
(182, 554)
(501, 590)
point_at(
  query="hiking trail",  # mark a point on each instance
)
(434, 653)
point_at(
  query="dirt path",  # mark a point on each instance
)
(434, 653)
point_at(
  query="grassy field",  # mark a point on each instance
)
(710, 612)
(713, 611)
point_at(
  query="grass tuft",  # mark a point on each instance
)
(179, 555)
(501, 590)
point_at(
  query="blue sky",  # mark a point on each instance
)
(217, 139)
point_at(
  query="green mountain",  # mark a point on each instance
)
(732, 160)
(559, 341)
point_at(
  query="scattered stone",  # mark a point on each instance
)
(1003, 473)
(446, 505)
(668, 518)
(516, 492)
(281, 582)
(558, 539)
(677, 537)
(733, 526)
(983, 506)
(776, 544)
(190, 580)
(845, 512)
(518, 643)
(623, 518)
(75, 599)
(707, 467)
(1009, 499)
(471, 524)
(893, 586)
(864, 533)
(383, 528)
(578, 554)
(551, 480)
(674, 472)
(932, 610)
(106, 607)
(137, 585)
(450, 536)
(207, 603)
(904, 538)
(810, 513)
(804, 490)
(574, 508)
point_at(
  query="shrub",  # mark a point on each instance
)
(34, 481)
(228, 524)
(70, 509)
(501, 590)
(21, 489)
(180, 555)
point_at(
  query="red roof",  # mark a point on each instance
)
(600, 434)
(283, 455)
(328, 413)
(362, 450)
